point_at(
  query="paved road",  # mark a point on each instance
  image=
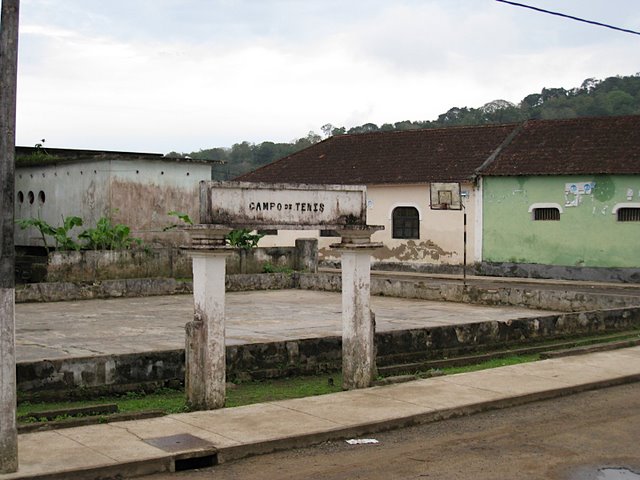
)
(130, 325)
(569, 438)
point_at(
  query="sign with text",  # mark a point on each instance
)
(294, 206)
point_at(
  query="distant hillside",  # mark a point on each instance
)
(612, 96)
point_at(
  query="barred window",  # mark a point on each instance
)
(628, 214)
(546, 213)
(406, 223)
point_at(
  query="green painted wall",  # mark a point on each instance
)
(588, 234)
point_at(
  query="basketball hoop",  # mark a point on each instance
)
(445, 196)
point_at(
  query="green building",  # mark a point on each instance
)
(565, 193)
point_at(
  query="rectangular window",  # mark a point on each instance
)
(629, 214)
(329, 233)
(545, 214)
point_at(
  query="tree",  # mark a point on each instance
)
(366, 128)
(327, 130)
(338, 131)
(612, 96)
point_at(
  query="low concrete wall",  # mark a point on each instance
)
(302, 257)
(531, 297)
(78, 376)
(68, 291)
(113, 373)
(457, 340)
(561, 272)
(85, 266)
(506, 269)
(144, 287)
(92, 266)
(536, 298)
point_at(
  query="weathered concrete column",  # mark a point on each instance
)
(358, 321)
(8, 79)
(8, 427)
(205, 361)
(307, 255)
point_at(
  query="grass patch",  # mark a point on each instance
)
(174, 401)
(167, 400)
(493, 363)
(282, 389)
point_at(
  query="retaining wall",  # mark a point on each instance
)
(510, 295)
(522, 296)
(113, 373)
(508, 269)
(92, 266)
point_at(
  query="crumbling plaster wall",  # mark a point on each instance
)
(588, 233)
(137, 193)
(51, 192)
(141, 194)
(441, 239)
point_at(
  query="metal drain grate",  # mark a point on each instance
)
(179, 443)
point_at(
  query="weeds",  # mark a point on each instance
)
(105, 236)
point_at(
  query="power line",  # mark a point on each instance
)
(570, 17)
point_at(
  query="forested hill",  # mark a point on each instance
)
(613, 96)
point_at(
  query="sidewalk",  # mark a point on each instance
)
(200, 438)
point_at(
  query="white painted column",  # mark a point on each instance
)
(205, 375)
(358, 321)
(205, 355)
(358, 324)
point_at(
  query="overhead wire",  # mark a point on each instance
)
(564, 15)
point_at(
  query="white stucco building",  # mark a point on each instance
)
(134, 189)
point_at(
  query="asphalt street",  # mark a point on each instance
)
(587, 436)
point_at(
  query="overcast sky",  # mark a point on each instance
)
(184, 75)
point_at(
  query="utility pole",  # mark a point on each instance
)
(8, 79)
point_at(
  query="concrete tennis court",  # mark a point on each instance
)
(129, 325)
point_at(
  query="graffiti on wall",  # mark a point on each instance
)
(575, 191)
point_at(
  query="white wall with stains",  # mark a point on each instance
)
(137, 193)
(441, 239)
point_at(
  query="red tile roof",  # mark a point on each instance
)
(414, 156)
(538, 147)
(596, 145)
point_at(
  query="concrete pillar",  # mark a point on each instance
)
(8, 78)
(307, 255)
(8, 427)
(358, 322)
(205, 359)
(358, 325)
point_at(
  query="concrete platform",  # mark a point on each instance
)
(139, 447)
(132, 325)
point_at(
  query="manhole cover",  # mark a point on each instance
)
(178, 443)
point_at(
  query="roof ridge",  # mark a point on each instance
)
(509, 138)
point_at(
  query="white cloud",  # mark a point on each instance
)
(160, 76)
